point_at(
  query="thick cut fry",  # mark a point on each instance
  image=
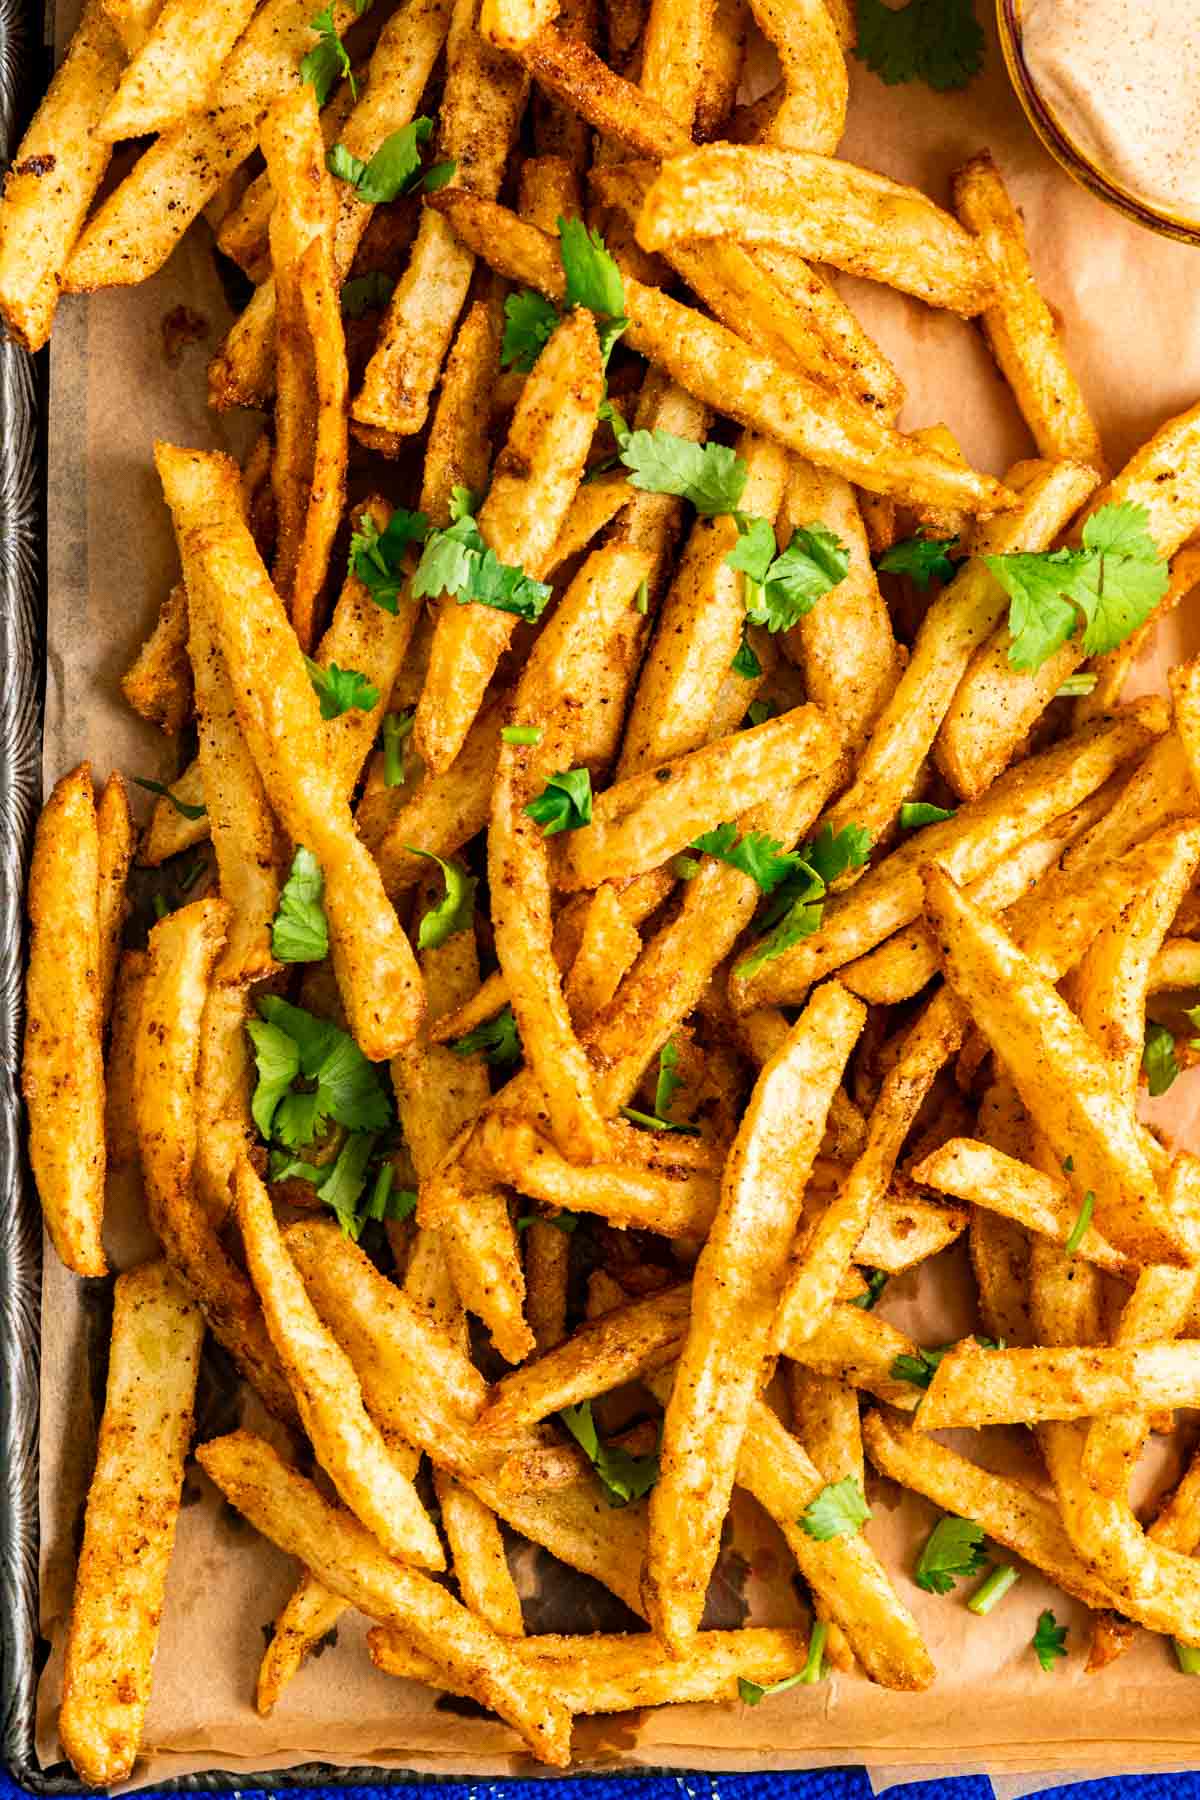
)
(309, 1614)
(173, 829)
(458, 450)
(115, 839)
(1000, 1387)
(278, 713)
(132, 20)
(472, 1217)
(120, 1126)
(1020, 327)
(1069, 1091)
(608, 948)
(342, 1553)
(183, 949)
(647, 818)
(322, 1377)
(673, 44)
(53, 179)
(158, 682)
(890, 895)
(62, 1069)
(309, 469)
(812, 114)
(736, 1287)
(224, 1084)
(129, 1527)
(995, 705)
(720, 370)
(176, 69)
(535, 480)
(860, 222)
(812, 1281)
(825, 1418)
(1157, 1309)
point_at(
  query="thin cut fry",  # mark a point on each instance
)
(158, 682)
(115, 836)
(172, 828)
(310, 1612)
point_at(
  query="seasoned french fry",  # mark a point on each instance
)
(309, 1614)
(53, 179)
(724, 53)
(433, 812)
(510, 24)
(224, 1083)
(129, 1528)
(673, 44)
(115, 839)
(994, 1387)
(812, 114)
(158, 682)
(342, 1553)
(376, 970)
(736, 1286)
(175, 69)
(173, 828)
(120, 1126)
(62, 1068)
(905, 1230)
(132, 20)
(1157, 1309)
(1020, 327)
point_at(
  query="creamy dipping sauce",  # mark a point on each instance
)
(1122, 79)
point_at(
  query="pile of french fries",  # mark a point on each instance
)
(634, 876)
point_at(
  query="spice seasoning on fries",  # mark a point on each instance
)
(603, 865)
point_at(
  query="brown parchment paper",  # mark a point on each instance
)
(1131, 303)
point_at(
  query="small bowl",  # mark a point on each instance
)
(1065, 151)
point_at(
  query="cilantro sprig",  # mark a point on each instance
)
(340, 690)
(711, 477)
(922, 559)
(497, 1038)
(839, 1510)
(343, 1184)
(938, 42)
(300, 932)
(291, 1046)
(953, 1550)
(623, 1477)
(454, 912)
(328, 61)
(397, 726)
(377, 557)
(183, 807)
(877, 1280)
(458, 563)
(1158, 1058)
(366, 293)
(781, 587)
(921, 1368)
(394, 169)
(667, 1087)
(564, 804)
(797, 904)
(1049, 1640)
(593, 280)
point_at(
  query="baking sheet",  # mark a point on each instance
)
(1132, 310)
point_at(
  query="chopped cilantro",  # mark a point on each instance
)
(1158, 1058)
(300, 932)
(564, 804)
(745, 663)
(922, 559)
(839, 1510)
(457, 562)
(797, 905)
(327, 61)
(780, 589)
(758, 855)
(938, 42)
(366, 293)
(396, 728)
(991, 1591)
(522, 734)
(1049, 1640)
(340, 690)
(498, 1038)
(953, 1550)
(566, 1222)
(290, 1044)
(454, 912)
(622, 1476)
(377, 557)
(394, 169)
(915, 813)
(1079, 1228)
(182, 807)
(876, 1280)
(710, 476)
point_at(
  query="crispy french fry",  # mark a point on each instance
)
(375, 966)
(158, 682)
(833, 210)
(904, 1230)
(175, 69)
(736, 1286)
(132, 21)
(996, 1387)
(1177, 965)
(53, 178)
(1157, 1309)
(547, 1271)
(458, 452)
(173, 828)
(120, 1126)
(510, 24)
(722, 58)
(310, 1612)
(673, 43)
(129, 1528)
(1020, 327)
(62, 1068)
(825, 1418)
(115, 839)
(342, 1553)
(812, 113)
(433, 812)
(224, 1083)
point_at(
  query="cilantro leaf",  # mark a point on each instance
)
(938, 42)
(1158, 1058)
(711, 476)
(340, 690)
(759, 711)
(622, 1476)
(745, 663)
(327, 61)
(1076, 686)
(839, 1510)
(915, 813)
(366, 293)
(498, 1038)
(1049, 1640)
(454, 912)
(300, 932)
(396, 727)
(182, 807)
(757, 854)
(394, 169)
(651, 1122)
(377, 557)
(669, 1083)
(797, 905)
(593, 280)
(790, 584)
(919, 1369)
(922, 559)
(384, 1204)
(457, 562)
(755, 549)
(1079, 1229)
(529, 323)
(564, 804)
(1114, 580)
(345, 1086)
(953, 1550)
(342, 1184)
(877, 1280)
(566, 1222)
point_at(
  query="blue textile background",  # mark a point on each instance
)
(827, 1784)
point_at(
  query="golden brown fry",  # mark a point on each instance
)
(906, 1229)
(278, 713)
(115, 836)
(120, 1126)
(477, 1549)
(724, 53)
(129, 1528)
(62, 1069)
(1020, 327)
(310, 1612)
(672, 49)
(158, 682)
(812, 114)
(53, 178)
(172, 829)
(735, 1290)
(458, 450)
(175, 69)
(547, 1269)
(342, 1553)
(996, 1387)
(224, 1084)
(433, 812)
(1158, 1309)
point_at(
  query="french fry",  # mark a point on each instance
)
(183, 949)
(321, 1376)
(472, 1216)
(1020, 327)
(53, 179)
(132, 21)
(1084, 1118)
(736, 1286)
(175, 69)
(510, 24)
(309, 469)
(1158, 1309)
(905, 1230)
(129, 1527)
(673, 43)
(825, 1418)
(1177, 965)
(376, 970)
(120, 1126)
(158, 682)
(433, 812)
(224, 1084)
(310, 1612)
(172, 828)
(62, 1068)
(821, 207)
(996, 1387)
(342, 1553)
(723, 55)
(721, 371)
(812, 114)
(458, 452)
(635, 1340)
(812, 1281)
(547, 1272)
(891, 895)
(115, 840)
